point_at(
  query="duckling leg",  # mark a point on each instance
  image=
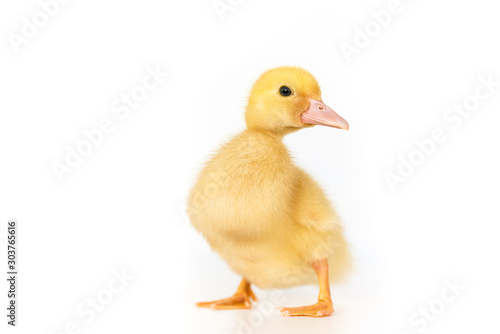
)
(324, 305)
(241, 299)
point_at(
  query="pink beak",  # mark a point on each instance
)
(319, 113)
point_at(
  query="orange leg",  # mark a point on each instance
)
(324, 305)
(241, 299)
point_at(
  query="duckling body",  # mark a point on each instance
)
(266, 217)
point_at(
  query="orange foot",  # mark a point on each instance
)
(241, 299)
(322, 308)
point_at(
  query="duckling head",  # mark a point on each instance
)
(286, 99)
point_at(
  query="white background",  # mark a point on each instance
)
(122, 207)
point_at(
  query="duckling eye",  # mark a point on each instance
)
(285, 91)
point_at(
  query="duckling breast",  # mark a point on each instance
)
(245, 190)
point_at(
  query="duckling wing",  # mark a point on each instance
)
(318, 232)
(312, 208)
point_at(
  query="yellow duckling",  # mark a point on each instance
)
(267, 218)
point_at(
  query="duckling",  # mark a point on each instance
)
(266, 217)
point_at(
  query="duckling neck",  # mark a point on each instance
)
(272, 134)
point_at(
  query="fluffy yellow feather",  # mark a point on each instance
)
(267, 218)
